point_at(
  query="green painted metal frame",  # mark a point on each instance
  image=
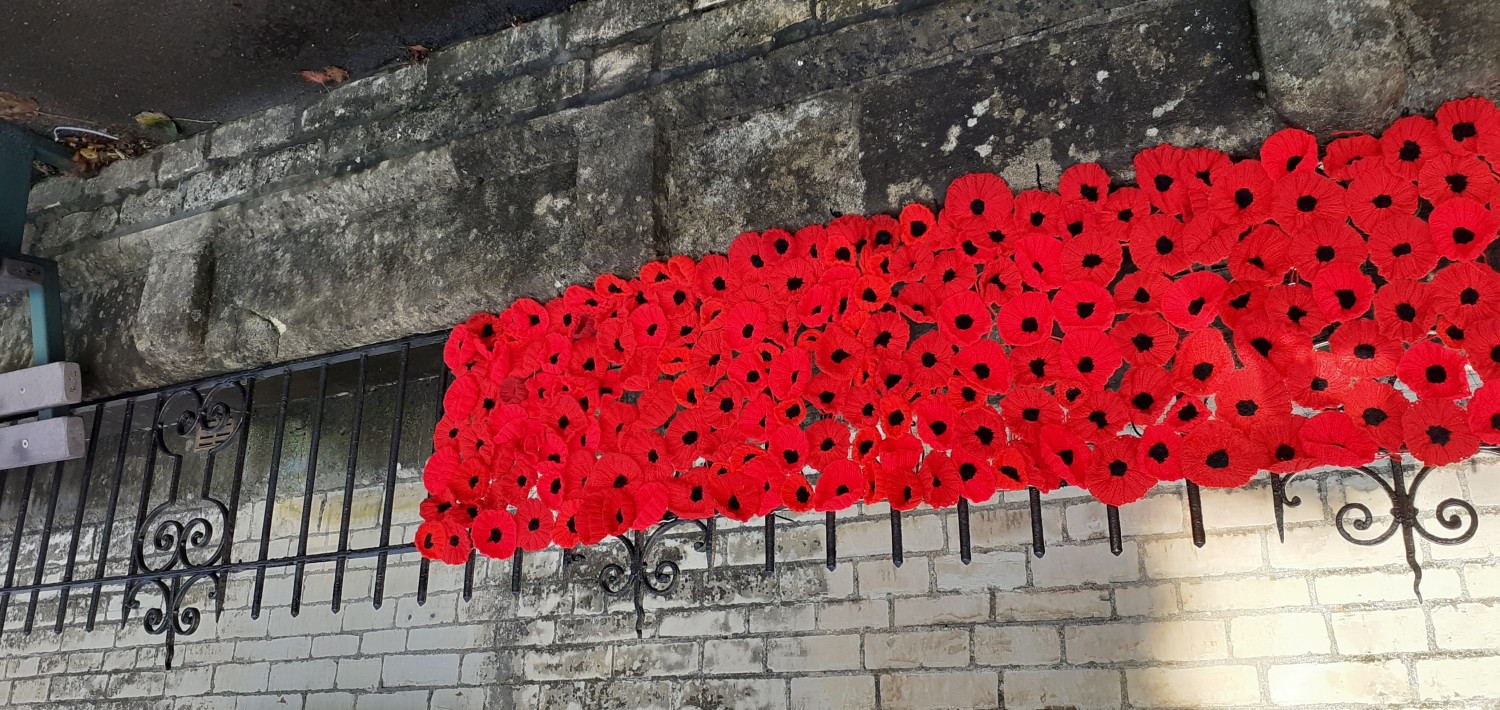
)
(19, 148)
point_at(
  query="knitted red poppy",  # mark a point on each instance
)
(1408, 144)
(1115, 476)
(1083, 304)
(1461, 123)
(1141, 292)
(1433, 371)
(1157, 244)
(1462, 228)
(1334, 440)
(1343, 292)
(1192, 302)
(1484, 413)
(1349, 157)
(1377, 408)
(1437, 432)
(1287, 151)
(1242, 194)
(1466, 292)
(495, 534)
(1216, 455)
(1089, 356)
(1448, 176)
(1146, 392)
(1159, 453)
(534, 522)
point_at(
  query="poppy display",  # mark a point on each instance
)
(1221, 317)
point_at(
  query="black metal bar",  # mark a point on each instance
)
(469, 576)
(109, 517)
(515, 573)
(1038, 538)
(271, 477)
(15, 544)
(359, 410)
(148, 478)
(1116, 545)
(965, 553)
(1195, 512)
(770, 544)
(235, 484)
(83, 494)
(831, 547)
(41, 553)
(898, 556)
(307, 489)
(390, 476)
(423, 566)
(1280, 502)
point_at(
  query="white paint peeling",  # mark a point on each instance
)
(981, 108)
(1165, 108)
(952, 142)
(1101, 76)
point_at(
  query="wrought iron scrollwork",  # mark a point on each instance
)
(1453, 514)
(185, 540)
(638, 577)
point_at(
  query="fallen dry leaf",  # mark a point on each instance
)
(336, 75)
(14, 106)
(417, 53)
(315, 77)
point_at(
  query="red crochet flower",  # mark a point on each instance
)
(1466, 293)
(1303, 199)
(1146, 392)
(1462, 123)
(840, 486)
(1192, 302)
(1324, 242)
(495, 534)
(1157, 244)
(443, 541)
(1378, 195)
(1262, 256)
(1202, 359)
(977, 199)
(1089, 356)
(1289, 150)
(1085, 183)
(1349, 157)
(1116, 477)
(1159, 453)
(1462, 228)
(1157, 173)
(1484, 413)
(1215, 455)
(1433, 371)
(1448, 176)
(1437, 432)
(1363, 350)
(1083, 304)
(1242, 194)
(1408, 144)
(534, 525)
(1334, 440)
(1343, 292)
(1377, 408)
(1141, 292)
(963, 318)
(1026, 319)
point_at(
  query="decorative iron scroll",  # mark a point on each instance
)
(184, 540)
(637, 576)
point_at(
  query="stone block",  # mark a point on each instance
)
(539, 665)
(1214, 686)
(1339, 683)
(1386, 586)
(728, 28)
(372, 96)
(504, 53)
(796, 617)
(1154, 515)
(54, 192)
(1046, 605)
(1466, 626)
(251, 135)
(880, 577)
(1279, 635)
(912, 691)
(1091, 563)
(860, 614)
(994, 526)
(986, 570)
(1226, 553)
(945, 648)
(1191, 640)
(439, 669)
(1147, 600)
(600, 21)
(734, 656)
(1017, 645)
(702, 623)
(751, 694)
(358, 673)
(1376, 631)
(946, 609)
(242, 677)
(620, 65)
(656, 659)
(1458, 678)
(122, 177)
(1243, 593)
(872, 538)
(303, 675)
(836, 692)
(803, 654)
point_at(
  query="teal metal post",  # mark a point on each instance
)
(18, 148)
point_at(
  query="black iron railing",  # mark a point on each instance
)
(160, 496)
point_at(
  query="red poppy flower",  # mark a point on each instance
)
(1433, 371)
(917, 223)
(1466, 293)
(436, 507)
(963, 318)
(1408, 144)
(495, 534)
(1039, 212)
(897, 485)
(1302, 199)
(1157, 244)
(736, 494)
(1012, 471)
(1343, 292)
(1089, 356)
(441, 470)
(443, 541)
(840, 486)
(690, 495)
(949, 273)
(1462, 228)
(1294, 307)
(937, 422)
(1334, 440)
(1144, 340)
(1401, 248)
(1483, 348)
(1159, 453)
(1027, 409)
(797, 493)
(1026, 319)
(745, 325)
(1242, 194)
(980, 198)
(927, 360)
(1249, 397)
(1484, 413)
(1116, 476)
(525, 320)
(1282, 439)
(1039, 259)
(1378, 195)
(1192, 302)
(1289, 150)
(1202, 359)
(1260, 340)
(1083, 304)
(1121, 209)
(1325, 242)
(1064, 454)
(1156, 171)
(1377, 408)
(1186, 413)
(1093, 256)
(1242, 298)
(1141, 292)
(979, 433)
(1084, 183)
(1146, 392)
(1404, 311)
(565, 533)
(1216, 455)
(1069, 391)
(999, 282)
(1448, 176)
(1098, 416)
(1461, 124)
(791, 373)
(1437, 432)
(1349, 157)
(941, 484)
(534, 525)
(1316, 379)
(1365, 352)
(1201, 168)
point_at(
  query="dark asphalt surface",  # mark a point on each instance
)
(106, 60)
